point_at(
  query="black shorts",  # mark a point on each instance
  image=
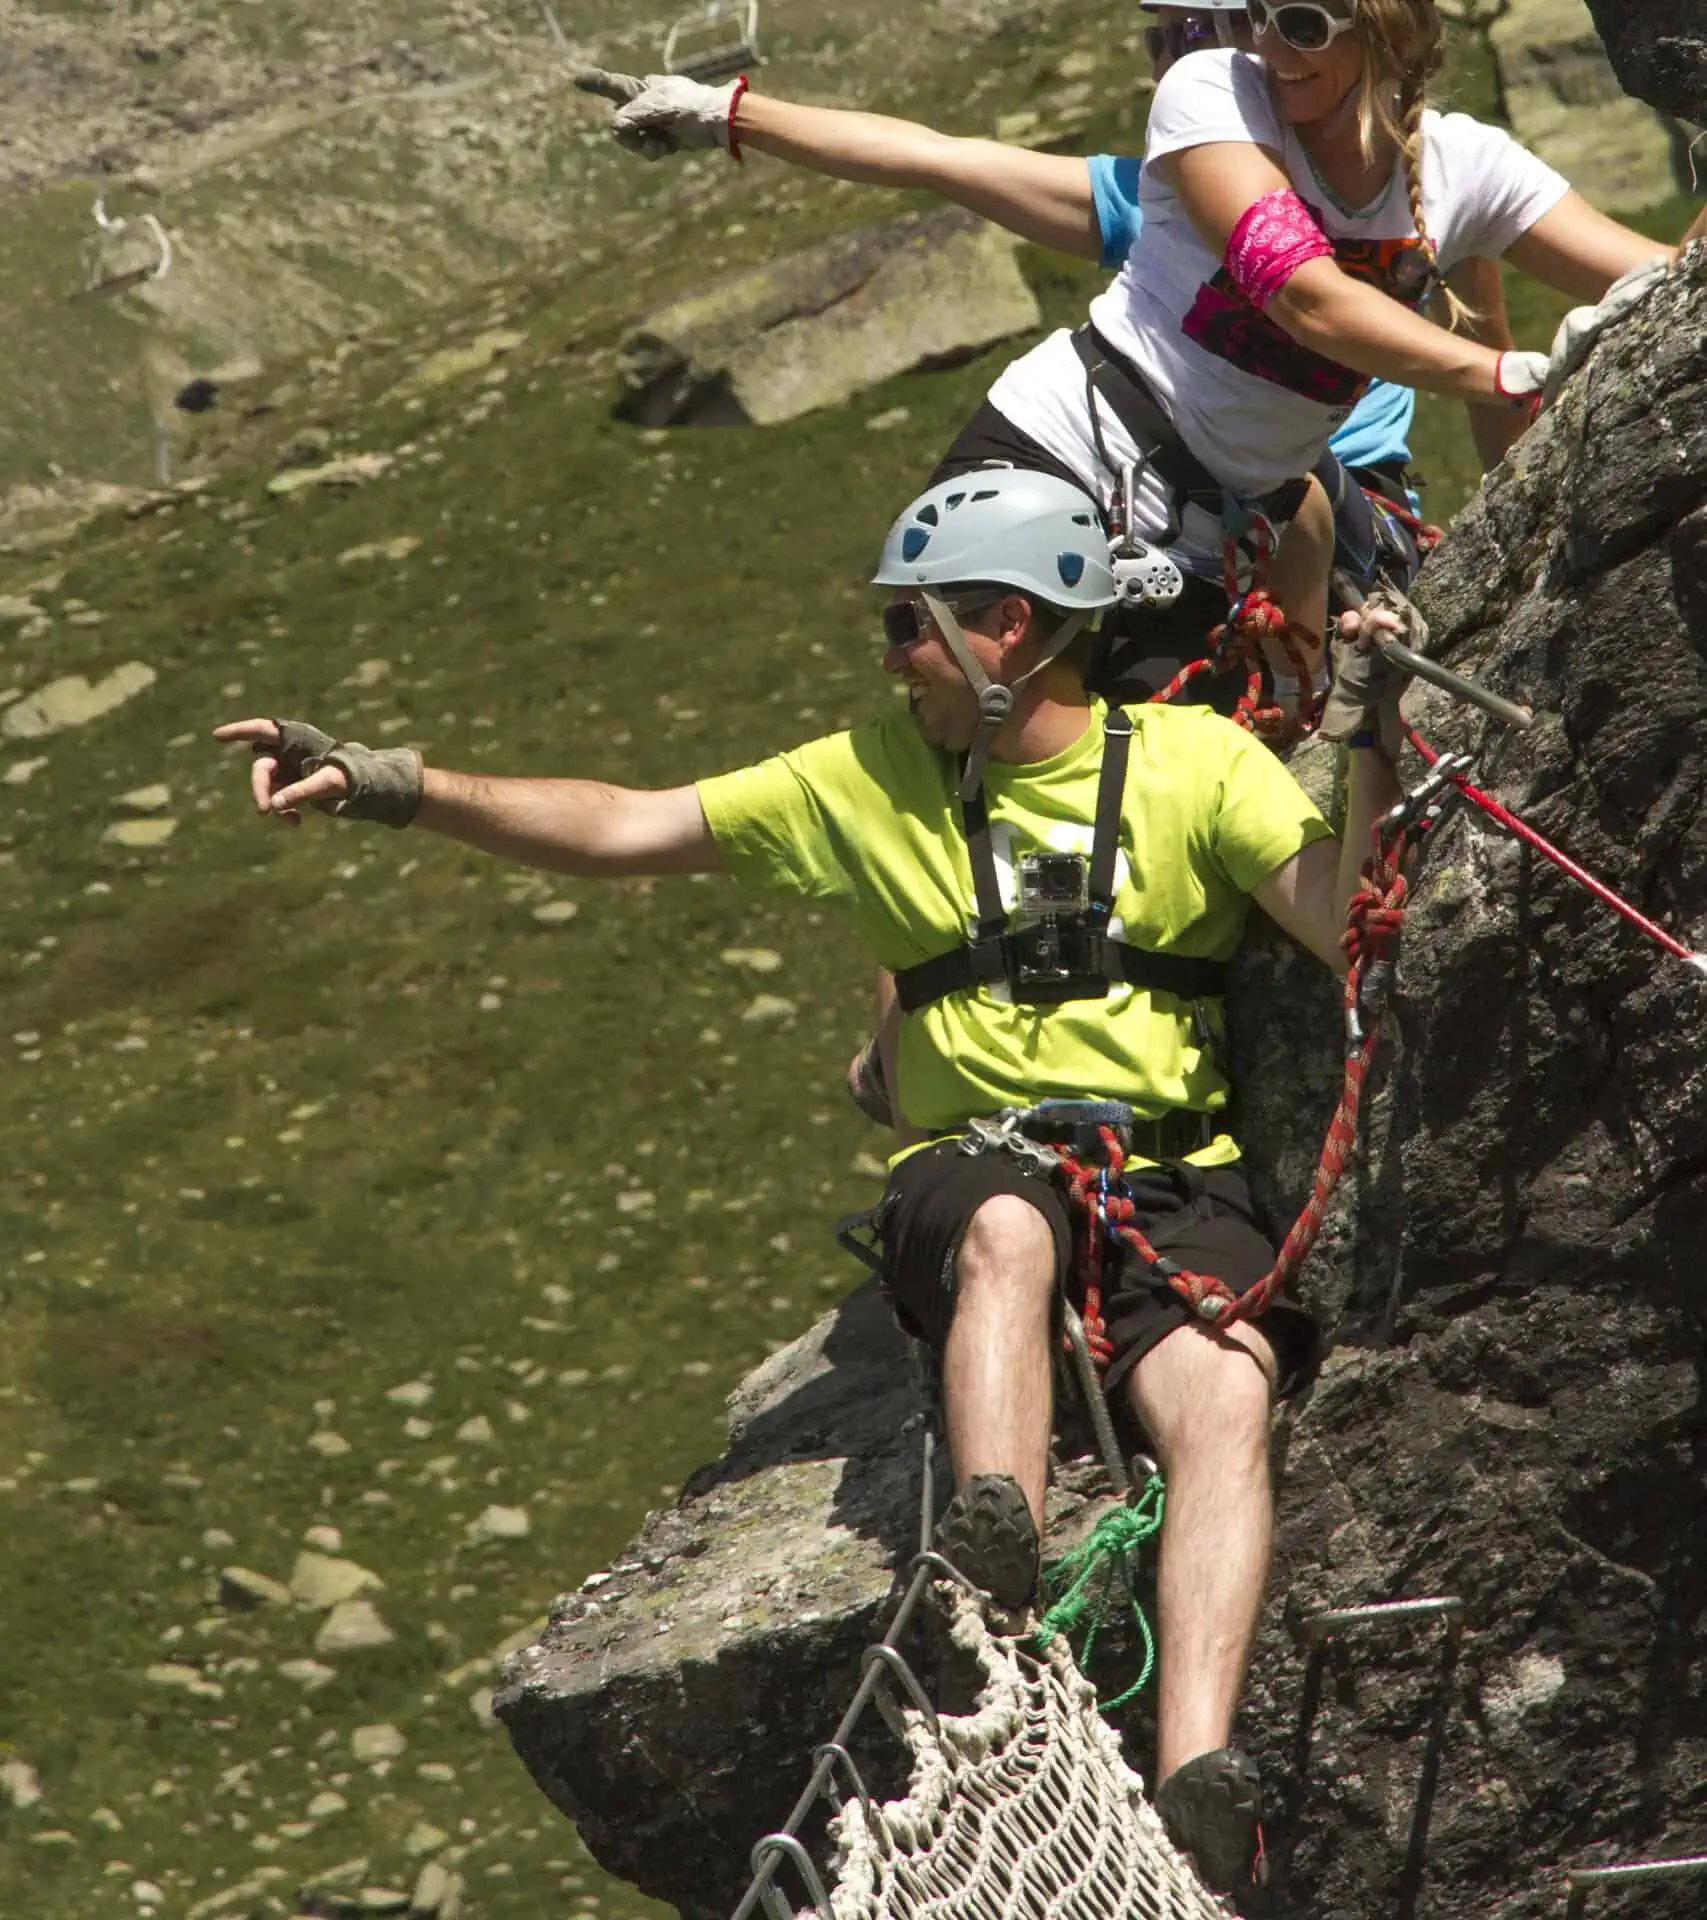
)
(1138, 649)
(1201, 1217)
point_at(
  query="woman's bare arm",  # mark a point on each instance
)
(1043, 197)
(1576, 249)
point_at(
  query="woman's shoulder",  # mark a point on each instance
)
(1460, 139)
(1217, 94)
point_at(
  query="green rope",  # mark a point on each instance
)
(1082, 1583)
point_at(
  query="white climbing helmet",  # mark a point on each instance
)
(1001, 527)
(1226, 9)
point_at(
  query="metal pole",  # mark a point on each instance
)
(1583, 1880)
(1423, 668)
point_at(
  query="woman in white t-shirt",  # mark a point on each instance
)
(1300, 204)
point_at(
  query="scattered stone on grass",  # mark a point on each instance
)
(769, 1009)
(154, 799)
(353, 470)
(140, 835)
(20, 1784)
(310, 1675)
(353, 1626)
(500, 1523)
(73, 702)
(752, 959)
(380, 1741)
(319, 1581)
(243, 1590)
(556, 913)
(191, 1680)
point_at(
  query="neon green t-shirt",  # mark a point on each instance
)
(867, 821)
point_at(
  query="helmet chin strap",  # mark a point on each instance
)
(996, 699)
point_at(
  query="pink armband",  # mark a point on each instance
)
(1274, 238)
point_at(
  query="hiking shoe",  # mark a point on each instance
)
(988, 1534)
(1212, 1809)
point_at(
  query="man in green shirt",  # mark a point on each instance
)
(1057, 889)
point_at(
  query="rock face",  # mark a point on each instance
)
(1514, 1411)
(1659, 49)
(1566, 105)
(811, 329)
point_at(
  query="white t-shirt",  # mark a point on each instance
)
(1253, 405)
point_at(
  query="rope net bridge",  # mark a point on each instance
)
(1022, 1809)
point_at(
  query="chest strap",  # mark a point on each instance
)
(1051, 962)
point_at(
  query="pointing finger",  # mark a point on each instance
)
(261, 733)
(617, 87)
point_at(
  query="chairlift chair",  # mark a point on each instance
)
(715, 41)
(123, 253)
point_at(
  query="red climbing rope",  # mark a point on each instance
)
(1254, 617)
(1530, 838)
(1374, 920)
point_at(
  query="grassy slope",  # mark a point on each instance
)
(308, 1117)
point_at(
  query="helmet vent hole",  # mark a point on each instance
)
(929, 516)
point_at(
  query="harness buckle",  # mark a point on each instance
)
(1003, 1135)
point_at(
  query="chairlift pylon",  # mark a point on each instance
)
(123, 253)
(714, 41)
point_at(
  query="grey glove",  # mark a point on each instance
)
(664, 113)
(385, 783)
(1582, 327)
(1364, 697)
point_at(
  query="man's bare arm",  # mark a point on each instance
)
(1308, 897)
(572, 826)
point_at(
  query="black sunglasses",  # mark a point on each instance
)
(906, 622)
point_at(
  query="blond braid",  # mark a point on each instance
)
(1412, 104)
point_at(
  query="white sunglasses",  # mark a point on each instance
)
(1305, 25)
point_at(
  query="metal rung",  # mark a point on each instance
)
(1316, 1629)
(884, 1655)
(722, 58)
(784, 1846)
(1582, 1881)
(1317, 1632)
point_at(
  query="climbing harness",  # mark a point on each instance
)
(715, 41)
(1318, 1634)
(1024, 1806)
(1056, 946)
(1148, 575)
(122, 253)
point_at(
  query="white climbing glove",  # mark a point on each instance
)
(1519, 377)
(666, 112)
(1582, 327)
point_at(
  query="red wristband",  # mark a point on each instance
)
(734, 103)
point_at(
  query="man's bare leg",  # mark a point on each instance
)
(1205, 1399)
(995, 1366)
